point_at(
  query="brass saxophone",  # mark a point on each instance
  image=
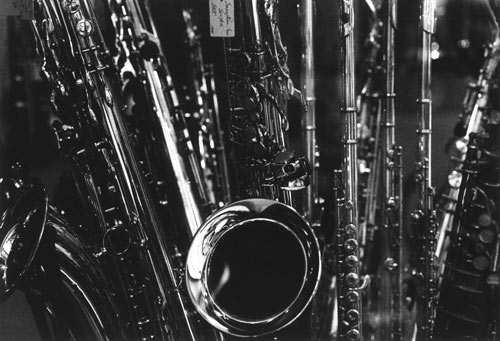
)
(313, 202)
(158, 105)
(471, 271)
(468, 243)
(50, 261)
(206, 114)
(349, 282)
(161, 138)
(370, 164)
(475, 107)
(236, 295)
(423, 218)
(391, 262)
(124, 233)
(369, 116)
(380, 166)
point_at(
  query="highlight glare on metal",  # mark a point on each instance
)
(236, 216)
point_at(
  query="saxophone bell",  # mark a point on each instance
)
(222, 278)
(44, 257)
(22, 226)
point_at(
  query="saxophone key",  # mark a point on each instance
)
(352, 316)
(353, 335)
(352, 297)
(351, 245)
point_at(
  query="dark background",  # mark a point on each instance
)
(463, 28)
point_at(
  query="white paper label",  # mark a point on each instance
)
(221, 18)
(17, 8)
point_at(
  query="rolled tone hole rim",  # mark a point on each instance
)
(122, 236)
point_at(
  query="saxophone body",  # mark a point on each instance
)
(349, 282)
(206, 116)
(162, 139)
(369, 105)
(475, 108)
(266, 166)
(423, 218)
(269, 183)
(51, 262)
(391, 234)
(123, 232)
(368, 126)
(469, 248)
(380, 181)
(313, 202)
(471, 268)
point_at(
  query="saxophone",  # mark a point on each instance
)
(161, 139)
(50, 261)
(347, 230)
(472, 262)
(369, 106)
(158, 105)
(313, 202)
(391, 262)
(468, 244)
(205, 112)
(380, 166)
(124, 234)
(236, 295)
(423, 218)
(475, 107)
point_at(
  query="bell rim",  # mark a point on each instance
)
(236, 326)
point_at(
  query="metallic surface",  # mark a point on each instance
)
(266, 168)
(349, 280)
(470, 291)
(307, 11)
(128, 239)
(211, 147)
(423, 218)
(31, 223)
(391, 263)
(468, 241)
(144, 255)
(369, 105)
(21, 229)
(474, 110)
(140, 48)
(237, 216)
